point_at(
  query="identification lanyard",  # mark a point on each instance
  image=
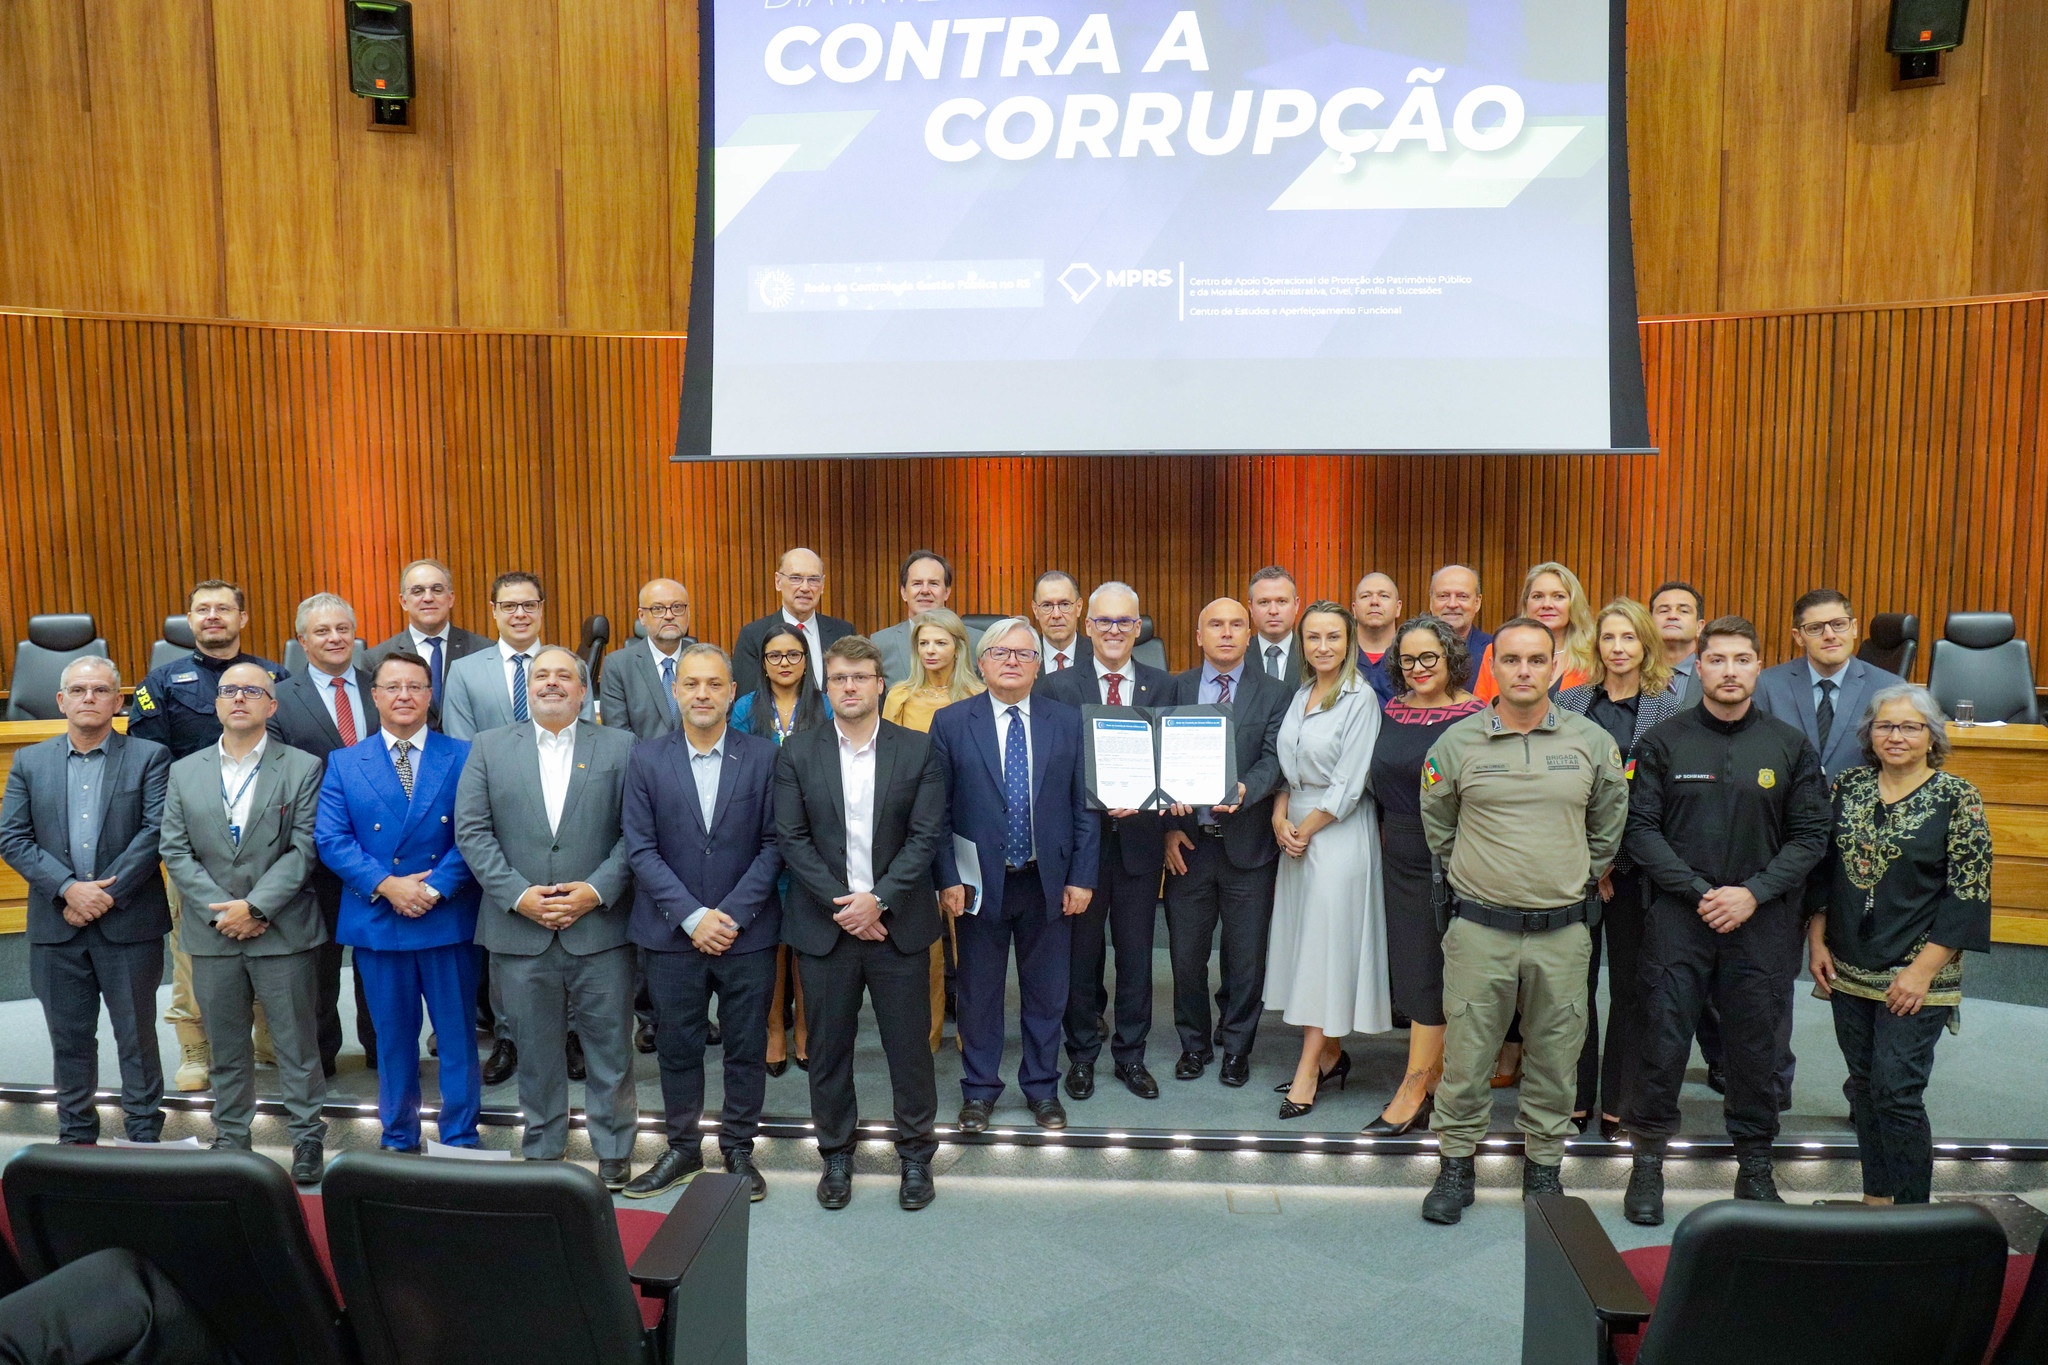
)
(235, 830)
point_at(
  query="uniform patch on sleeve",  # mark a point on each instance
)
(144, 700)
(1431, 773)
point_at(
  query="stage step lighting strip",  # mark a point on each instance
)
(1842, 1148)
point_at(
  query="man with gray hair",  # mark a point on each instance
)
(329, 706)
(551, 860)
(80, 824)
(1455, 600)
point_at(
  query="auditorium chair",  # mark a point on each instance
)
(1892, 643)
(1978, 660)
(175, 645)
(517, 1262)
(225, 1226)
(597, 633)
(53, 641)
(2026, 1337)
(294, 660)
(1766, 1283)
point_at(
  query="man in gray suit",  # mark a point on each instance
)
(636, 692)
(923, 580)
(79, 824)
(1824, 691)
(1678, 609)
(489, 688)
(537, 818)
(238, 843)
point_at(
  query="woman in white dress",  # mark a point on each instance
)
(1326, 963)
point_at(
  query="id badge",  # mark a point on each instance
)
(235, 833)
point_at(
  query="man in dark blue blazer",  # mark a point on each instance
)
(699, 817)
(1133, 853)
(408, 909)
(1016, 784)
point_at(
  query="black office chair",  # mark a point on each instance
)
(1768, 1283)
(1150, 649)
(1978, 660)
(1892, 643)
(175, 645)
(224, 1226)
(53, 641)
(445, 1260)
(597, 633)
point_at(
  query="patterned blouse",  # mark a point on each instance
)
(1901, 875)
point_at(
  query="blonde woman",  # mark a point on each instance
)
(1553, 595)
(942, 674)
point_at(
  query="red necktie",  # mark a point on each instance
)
(1059, 662)
(1222, 688)
(344, 714)
(1116, 688)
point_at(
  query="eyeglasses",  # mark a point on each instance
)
(80, 691)
(525, 607)
(668, 609)
(849, 679)
(410, 689)
(428, 590)
(1841, 625)
(1006, 656)
(1410, 662)
(803, 580)
(783, 656)
(1055, 604)
(228, 692)
(1904, 729)
(1115, 624)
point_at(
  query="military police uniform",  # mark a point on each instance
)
(1523, 826)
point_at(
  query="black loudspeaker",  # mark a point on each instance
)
(380, 48)
(1926, 25)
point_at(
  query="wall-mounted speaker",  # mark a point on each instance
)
(1926, 25)
(380, 48)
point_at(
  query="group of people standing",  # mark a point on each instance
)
(1433, 825)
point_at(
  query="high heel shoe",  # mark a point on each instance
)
(777, 1068)
(1610, 1129)
(1382, 1127)
(1341, 1073)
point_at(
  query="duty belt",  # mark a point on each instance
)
(1518, 921)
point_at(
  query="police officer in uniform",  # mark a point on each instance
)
(1524, 805)
(174, 706)
(1730, 814)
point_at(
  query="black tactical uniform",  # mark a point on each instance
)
(174, 704)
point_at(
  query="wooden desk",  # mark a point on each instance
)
(2009, 765)
(19, 734)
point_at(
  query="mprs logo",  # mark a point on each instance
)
(1080, 279)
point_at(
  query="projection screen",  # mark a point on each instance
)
(1043, 226)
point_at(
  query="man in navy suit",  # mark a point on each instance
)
(700, 836)
(1132, 855)
(1015, 779)
(387, 829)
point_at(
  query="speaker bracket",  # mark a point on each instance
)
(1917, 69)
(390, 116)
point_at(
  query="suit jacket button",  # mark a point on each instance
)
(394, 862)
(376, 827)
(444, 819)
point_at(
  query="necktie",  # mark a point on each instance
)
(434, 665)
(1273, 661)
(1222, 689)
(519, 711)
(400, 761)
(668, 687)
(1017, 792)
(344, 714)
(1824, 714)
(1116, 688)
(1059, 661)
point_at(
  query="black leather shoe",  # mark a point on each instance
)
(613, 1172)
(674, 1167)
(1644, 1202)
(1717, 1080)
(1237, 1069)
(1137, 1080)
(329, 1068)
(577, 1071)
(803, 1064)
(370, 1056)
(917, 1190)
(1448, 1199)
(503, 1061)
(974, 1116)
(1753, 1178)
(742, 1165)
(1610, 1129)
(1190, 1067)
(777, 1068)
(1081, 1080)
(223, 1143)
(835, 1187)
(1048, 1113)
(309, 1162)
(1216, 1038)
(1538, 1178)
(643, 1036)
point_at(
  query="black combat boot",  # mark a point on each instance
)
(1753, 1178)
(1538, 1178)
(1644, 1202)
(1448, 1199)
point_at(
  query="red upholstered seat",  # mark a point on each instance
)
(1647, 1265)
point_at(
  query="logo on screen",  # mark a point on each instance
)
(778, 288)
(1079, 280)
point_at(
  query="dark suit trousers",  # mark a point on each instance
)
(327, 892)
(900, 986)
(681, 984)
(1045, 976)
(71, 979)
(110, 1306)
(1123, 912)
(1217, 891)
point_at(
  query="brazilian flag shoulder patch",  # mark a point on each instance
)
(1431, 773)
(1629, 771)
(144, 700)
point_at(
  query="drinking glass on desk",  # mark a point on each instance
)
(1966, 713)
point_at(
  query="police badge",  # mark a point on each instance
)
(1766, 777)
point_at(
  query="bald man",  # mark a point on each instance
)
(1221, 860)
(800, 581)
(636, 691)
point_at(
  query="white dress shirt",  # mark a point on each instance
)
(421, 648)
(1003, 724)
(418, 745)
(237, 781)
(1285, 644)
(705, 768)
(324, 682)
(506, 655)
(816, 642)
(557, 762)
(1127, 671)
(857, 784)
(1049, 654)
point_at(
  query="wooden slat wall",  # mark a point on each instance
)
(200, 158)
(1896, 453)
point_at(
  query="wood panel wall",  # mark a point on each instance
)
(1896, 453)
(197, 159)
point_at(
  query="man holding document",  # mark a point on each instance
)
(1132, 851)
(1018, 813)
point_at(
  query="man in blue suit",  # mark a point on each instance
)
(1826, 689)
(387, 829)
(1015, 778)
(699, 817)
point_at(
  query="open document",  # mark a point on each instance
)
(1148, 758)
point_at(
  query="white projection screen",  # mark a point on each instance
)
(961, 227)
